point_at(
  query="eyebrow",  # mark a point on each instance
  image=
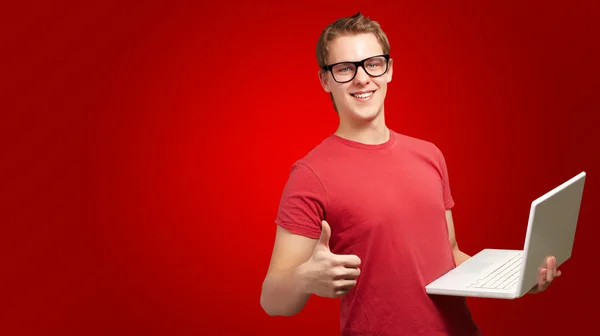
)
(360, 60)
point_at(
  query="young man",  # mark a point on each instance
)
(366, 215)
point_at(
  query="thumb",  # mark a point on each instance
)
(325, 234)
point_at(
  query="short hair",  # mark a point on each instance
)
(352, 25)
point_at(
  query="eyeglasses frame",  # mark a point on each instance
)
(358, 64)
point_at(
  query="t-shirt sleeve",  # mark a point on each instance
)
(447, 194)
(303, 202)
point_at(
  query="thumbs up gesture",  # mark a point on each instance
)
(327, 274)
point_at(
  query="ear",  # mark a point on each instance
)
(390, 70)
(324, 79)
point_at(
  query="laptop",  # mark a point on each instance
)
(510, 274)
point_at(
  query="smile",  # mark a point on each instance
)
(363, 95)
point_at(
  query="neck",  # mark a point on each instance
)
(370, 132)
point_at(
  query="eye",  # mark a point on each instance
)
(343, 68)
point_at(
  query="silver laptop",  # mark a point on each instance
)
(509, 274)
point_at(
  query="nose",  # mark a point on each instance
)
(361, 76)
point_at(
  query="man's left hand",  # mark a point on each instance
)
(547, 273)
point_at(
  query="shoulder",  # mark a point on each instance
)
(318, 157)
(417, 146)
(304, 171)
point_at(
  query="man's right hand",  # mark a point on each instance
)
(326, 274)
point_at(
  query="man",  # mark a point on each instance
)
(366, 215)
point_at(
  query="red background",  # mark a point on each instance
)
(145, 146)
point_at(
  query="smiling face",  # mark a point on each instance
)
(361, 99)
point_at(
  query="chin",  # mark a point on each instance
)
(364, 113)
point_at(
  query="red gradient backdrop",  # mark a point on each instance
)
(145, 147)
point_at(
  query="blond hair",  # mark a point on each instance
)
(352, 25)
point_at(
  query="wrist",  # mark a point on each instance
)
(300, 273)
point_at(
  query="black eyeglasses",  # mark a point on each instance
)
(344, 72)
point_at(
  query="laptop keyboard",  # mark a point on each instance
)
(503, 277)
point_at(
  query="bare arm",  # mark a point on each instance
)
(301, 267)
(547, 273)
(459, 256)
(283, 291)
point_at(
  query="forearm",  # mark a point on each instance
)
(283, 292)
(460, 256)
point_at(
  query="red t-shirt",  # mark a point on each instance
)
(386, 204)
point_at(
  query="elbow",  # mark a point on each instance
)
(266, 308)
(453, 245)
(272, 309)
(273, 303)
(265, 302)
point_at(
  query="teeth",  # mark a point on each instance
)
(363, 95)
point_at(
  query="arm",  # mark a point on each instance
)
(548, 271)
(283, 290)
(302, 265)
(459, 256)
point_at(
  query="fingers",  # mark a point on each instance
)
(345, 283)
(348, 260)
(325, 234)
(547, 273)
(552, 270)
(340, 260)
(341, 292)
(543, 276)
(557, 273)
(342, 287)
(555, 266)
(341, 272)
